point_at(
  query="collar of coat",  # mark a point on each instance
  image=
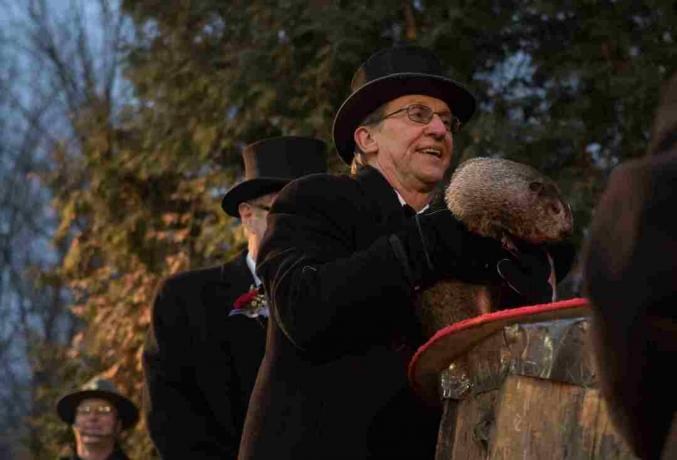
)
(383, 202)
(235, 272)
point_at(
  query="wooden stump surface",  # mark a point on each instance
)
(528, 392)
(530, 418)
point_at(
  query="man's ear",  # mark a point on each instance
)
(245, 210)
(364, 140)
(246, 213)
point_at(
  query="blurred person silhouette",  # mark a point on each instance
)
(630, 277)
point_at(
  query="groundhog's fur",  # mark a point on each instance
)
(504, 200)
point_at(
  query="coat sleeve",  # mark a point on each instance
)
(327, 293)
(174, 408)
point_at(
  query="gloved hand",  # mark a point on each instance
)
(563, 253)
(528, 274)
(435, 245)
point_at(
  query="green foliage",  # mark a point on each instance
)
(568, 88)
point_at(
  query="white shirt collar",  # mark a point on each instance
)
(252, 268)
(402, 202)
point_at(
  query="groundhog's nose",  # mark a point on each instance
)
(555, 208)
(567, 229)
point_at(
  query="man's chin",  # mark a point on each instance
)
(430, 180)
(94, 437)
(431, 174)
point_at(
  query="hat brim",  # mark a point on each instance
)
(379, 91)
(248, 190)
(454, 340)
(127, 410)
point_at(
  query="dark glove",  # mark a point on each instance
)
(528, 274)
(563, 254)
(436, 245)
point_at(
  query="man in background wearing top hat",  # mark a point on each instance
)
(341, 262)
(208, 326)
(98, 414)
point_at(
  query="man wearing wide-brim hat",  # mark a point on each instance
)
(341, 262)
(208, 326)
(98, 414)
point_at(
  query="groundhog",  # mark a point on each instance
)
(504, 200)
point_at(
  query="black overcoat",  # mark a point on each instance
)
(332, 383)
(200, 363)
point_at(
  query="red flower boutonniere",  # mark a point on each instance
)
(251, 304)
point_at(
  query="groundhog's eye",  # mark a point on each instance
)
(535, 186)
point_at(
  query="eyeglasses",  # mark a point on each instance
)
(102, 409)
(422, 114)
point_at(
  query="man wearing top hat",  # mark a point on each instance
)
(341, 260)
(208, 326)
(98, 414)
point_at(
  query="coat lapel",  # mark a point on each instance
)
(381, 200)
(236, 278)
(389, 217)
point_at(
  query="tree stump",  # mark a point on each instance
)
(528, 392)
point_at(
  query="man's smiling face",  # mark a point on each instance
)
(415, 154)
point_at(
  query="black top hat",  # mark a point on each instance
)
(270, 164)
(389, 74)
(102, 389)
